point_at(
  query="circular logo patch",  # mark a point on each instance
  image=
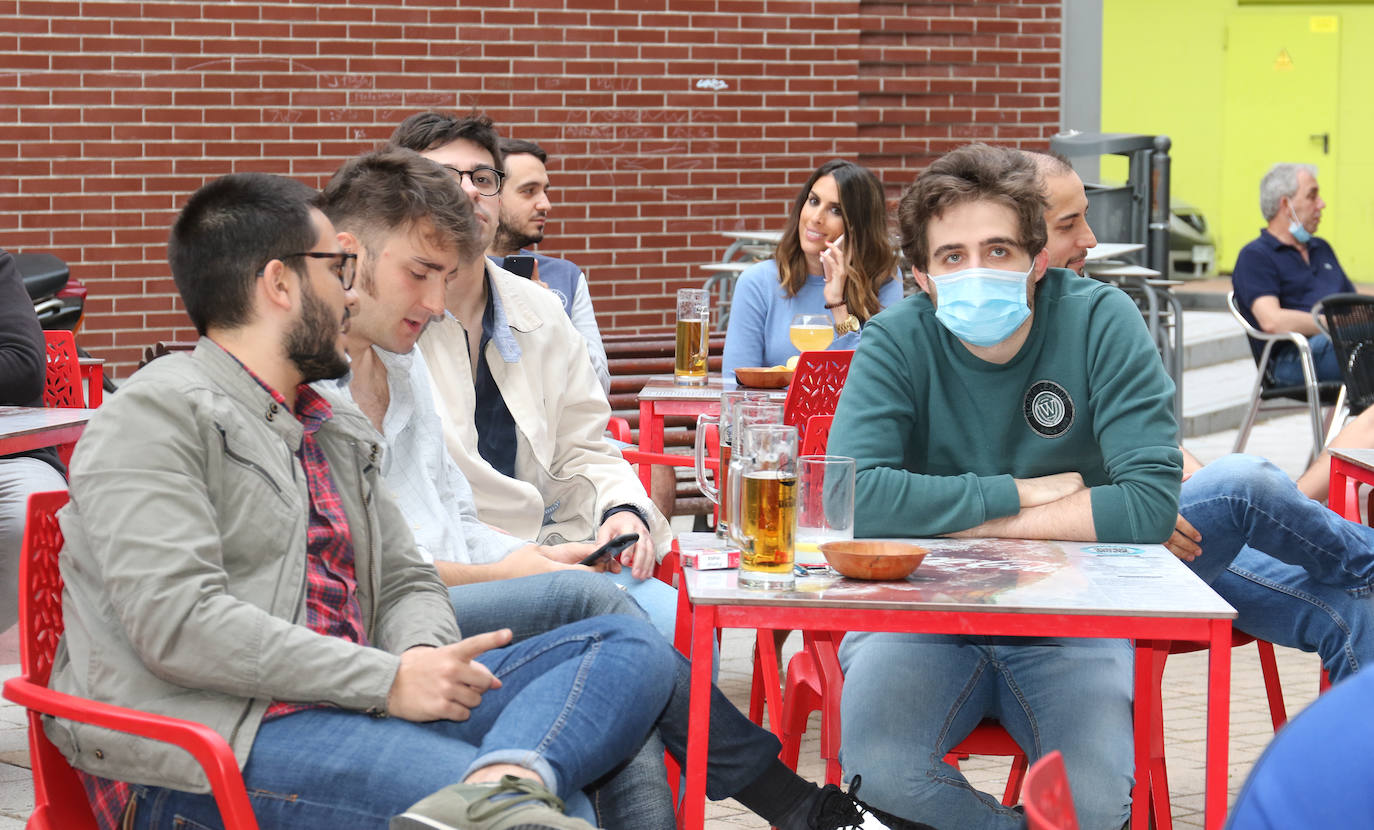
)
(1048, 409)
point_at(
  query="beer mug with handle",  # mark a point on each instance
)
(768, 506)
(742, 415)
(720, 493)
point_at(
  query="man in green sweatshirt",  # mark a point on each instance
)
(1008, 400)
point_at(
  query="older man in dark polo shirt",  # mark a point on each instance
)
(1283, 273)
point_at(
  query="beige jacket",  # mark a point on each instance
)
(567, 473)
(185, 562)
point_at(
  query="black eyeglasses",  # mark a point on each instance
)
(485, 180)
(345, 266)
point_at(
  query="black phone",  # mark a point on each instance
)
(615, 547)
(521, 265)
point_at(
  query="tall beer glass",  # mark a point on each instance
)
(693, 322)
(768, 506)
(720, 493)
(744, 414)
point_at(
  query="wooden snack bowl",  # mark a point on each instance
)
(763, 377)
(873, 558)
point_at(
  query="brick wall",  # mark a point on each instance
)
(669, 122)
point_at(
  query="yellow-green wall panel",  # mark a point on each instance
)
(1164, 71)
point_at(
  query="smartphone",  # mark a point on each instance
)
(615, 547)
(521, 265)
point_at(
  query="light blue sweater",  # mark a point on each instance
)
(761, 313)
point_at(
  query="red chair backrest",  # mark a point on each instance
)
(1048, 802)
(63, 386)
(59, 799)
(816, 385)
(817, 435)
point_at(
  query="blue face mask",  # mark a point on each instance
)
(982, 306)
(1300, 234)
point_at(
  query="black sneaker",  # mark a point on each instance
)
(837, 809)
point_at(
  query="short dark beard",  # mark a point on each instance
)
(509, 239)
(311, 344)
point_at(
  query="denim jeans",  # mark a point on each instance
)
(1286, 365)
(1243, 500)
(555, 714)
(909, 698)
(635, 793)
(1298, 574)
(656, 597)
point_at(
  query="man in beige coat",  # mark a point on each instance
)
(524, 416)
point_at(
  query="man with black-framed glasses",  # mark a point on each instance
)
(524, 415)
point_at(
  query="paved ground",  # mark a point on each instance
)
(1282, 440)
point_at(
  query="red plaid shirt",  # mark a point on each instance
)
(331, 589)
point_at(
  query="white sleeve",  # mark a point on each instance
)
(584, 320)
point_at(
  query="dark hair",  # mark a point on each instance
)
(517, 146)
(430, 130)
(228, 231)
(973, 173)
(863, 209)
(395, 189)
(1050, 163)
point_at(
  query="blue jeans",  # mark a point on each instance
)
(656, 597)
(635, 794)
(1286, 366)
(1243, 500)
(555, 714)
(909, 698)
(1298, 574)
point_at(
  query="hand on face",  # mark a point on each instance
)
(835, 265)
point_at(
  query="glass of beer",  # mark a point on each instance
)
(811, 332)
(825, 504)
(693, 322)
(744, 414)
(720, 493)
(768, 506)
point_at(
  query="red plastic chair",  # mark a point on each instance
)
(1049, 804)
(1160, 808)
(815, 387)
(63, 387)
(59, 799)
(815, 682)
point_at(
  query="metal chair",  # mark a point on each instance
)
(59, 799)
(1348, 319)
(1049, 803)
(1311, 395)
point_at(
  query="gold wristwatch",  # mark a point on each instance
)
(849, 324)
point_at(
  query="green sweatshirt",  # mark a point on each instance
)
(939, 434)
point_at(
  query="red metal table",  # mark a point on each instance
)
(987, 587)
(24, 428)
(661, 397)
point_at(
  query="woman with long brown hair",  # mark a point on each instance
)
(835, 258)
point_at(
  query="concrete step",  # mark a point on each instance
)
(1215, 397)
(1211, 337)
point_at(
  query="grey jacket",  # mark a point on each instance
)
(185, 565)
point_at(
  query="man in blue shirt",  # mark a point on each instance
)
(1282, 274)
(525, 206)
